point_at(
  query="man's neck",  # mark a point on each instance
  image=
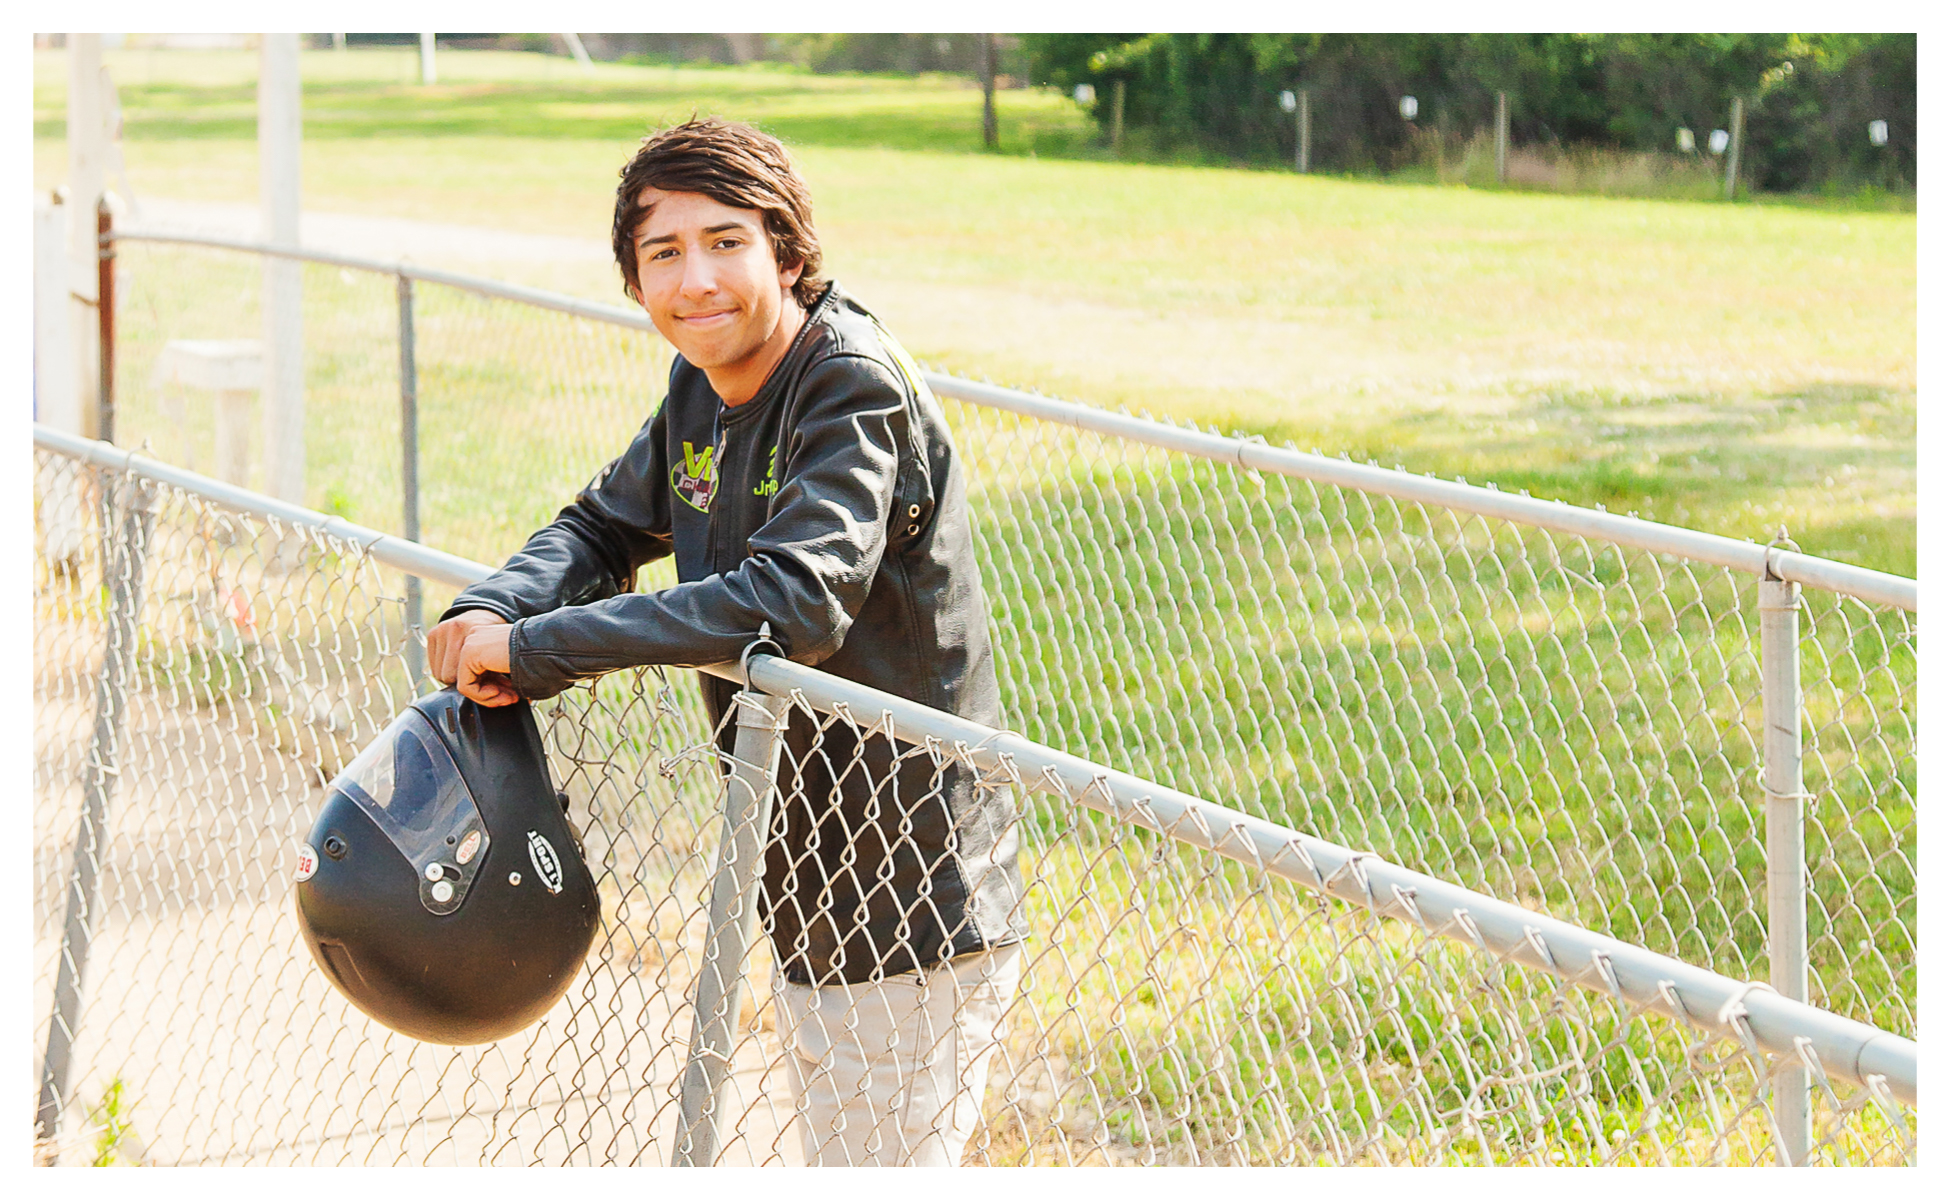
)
(738, 382)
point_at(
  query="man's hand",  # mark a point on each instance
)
(471, 651)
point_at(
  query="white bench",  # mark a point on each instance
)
(233, 372)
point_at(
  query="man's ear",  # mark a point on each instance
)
(789, 275)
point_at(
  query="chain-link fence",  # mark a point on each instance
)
(1196, 987)
(1557, 720)
(1549, 711)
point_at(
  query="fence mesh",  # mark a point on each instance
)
(1555, 721)
(1174, 1006)
(518, 405)
(1559, 722)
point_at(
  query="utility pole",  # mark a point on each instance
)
(1737, 129)
(1502, 136)
(428, 75)
(279, 137)
(988, 91)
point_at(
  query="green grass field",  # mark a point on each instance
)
(1733, 368)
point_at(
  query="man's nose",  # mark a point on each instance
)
(700, 275)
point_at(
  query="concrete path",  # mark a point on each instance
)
(425, 242)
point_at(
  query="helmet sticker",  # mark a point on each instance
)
(468, 848)
(307, 862)
(547, 867)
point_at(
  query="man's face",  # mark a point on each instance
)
(706, 276)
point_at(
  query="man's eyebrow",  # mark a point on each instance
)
(724, 227)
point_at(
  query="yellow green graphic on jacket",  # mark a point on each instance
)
(770, 484)
(696, 477)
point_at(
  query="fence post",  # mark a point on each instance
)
(1787, 907)
(103, 766)
(1502, 136)
(733, 924)
(105, 313)
(409, 475)
(1306, 132)
(1737, 128)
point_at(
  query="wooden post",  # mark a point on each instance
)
(1116, 116)
(1502, 136)
(1305, 115)
(105, 312)
(988, 91)
(1737, 129)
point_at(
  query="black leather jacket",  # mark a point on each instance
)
(830, 506)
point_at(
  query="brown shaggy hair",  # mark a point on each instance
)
(736, 165)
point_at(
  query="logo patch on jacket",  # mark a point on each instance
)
(696, 478)
(769, 486)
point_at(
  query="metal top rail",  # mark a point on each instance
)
(593, 310)
(1766, 562)
(1631, 974)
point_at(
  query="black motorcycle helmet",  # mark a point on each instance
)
(442, 889)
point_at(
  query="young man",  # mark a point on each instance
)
(802, 476)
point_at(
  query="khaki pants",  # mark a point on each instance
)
(892, 1073)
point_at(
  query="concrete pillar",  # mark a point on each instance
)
(56, 401)
(279, 136)
(87, 179)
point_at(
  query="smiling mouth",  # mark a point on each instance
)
(699, 318)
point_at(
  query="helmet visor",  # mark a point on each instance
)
(407, 782)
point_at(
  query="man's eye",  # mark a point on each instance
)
(666, 252)
(729, 243)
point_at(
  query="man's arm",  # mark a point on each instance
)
(592, 550)
(594, 547)
(807, 570)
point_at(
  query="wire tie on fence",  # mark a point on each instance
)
(1735, 1009)
(1669, 992)
(1760, 778)
(1804, 1049)
(1295, 846)
(1467, 924)
(1878, 1088)
(1405, 896)
(1534, 938)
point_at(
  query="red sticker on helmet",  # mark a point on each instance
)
(469, 846)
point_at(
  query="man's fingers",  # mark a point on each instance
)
(439, 658)
(484, 691)
(445, 640)
(479, 683)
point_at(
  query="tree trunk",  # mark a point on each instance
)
(988, 91)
